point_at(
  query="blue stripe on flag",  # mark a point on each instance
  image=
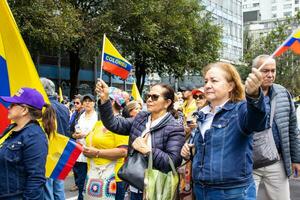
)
(291, 41)
(4, 88)
(63, 159)
(117, 61)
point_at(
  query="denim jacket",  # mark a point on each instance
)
(22, 162)
(223, 159)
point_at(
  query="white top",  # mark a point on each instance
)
(85, 126)
(206, 124)
(149, 125)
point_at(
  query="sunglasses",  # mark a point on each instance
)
(154, 97)
(201, 97)
(76, 103)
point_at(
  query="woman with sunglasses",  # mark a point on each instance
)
(24, 147)
(164, 136)
(222, 162)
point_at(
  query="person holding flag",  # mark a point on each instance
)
(24, 146)
(274, 173)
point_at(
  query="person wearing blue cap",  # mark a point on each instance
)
(24, 146)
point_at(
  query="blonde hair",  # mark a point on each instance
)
(232, 76)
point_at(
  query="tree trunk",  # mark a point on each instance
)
(74, 71)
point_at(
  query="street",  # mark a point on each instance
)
(294, 185)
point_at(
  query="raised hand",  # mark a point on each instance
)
(253, 82)
(102, 90)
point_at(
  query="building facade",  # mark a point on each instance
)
(257, 10)
(228, 14)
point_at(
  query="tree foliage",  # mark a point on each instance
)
(288, 70)
(168, 37)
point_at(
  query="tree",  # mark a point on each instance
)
(168, 37)
(163, 36)
(288, 70)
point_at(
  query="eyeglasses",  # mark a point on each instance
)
(76, 102)
(154, 97)
(15, 104)
(201, 97)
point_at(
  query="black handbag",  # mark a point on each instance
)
(133, 170)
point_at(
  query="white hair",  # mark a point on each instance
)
(257, 62)
(49, 86)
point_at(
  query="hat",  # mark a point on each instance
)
(27, 96)
(198, 90)
(116, 95)
(88, 96)
(186, 87)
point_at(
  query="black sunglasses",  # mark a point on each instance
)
(76, 102)
(198, 96)
(154, 97)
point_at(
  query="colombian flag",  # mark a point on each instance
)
(17, 70)
(113, 62)
(62, 155)
(293, 42)
(16, 67)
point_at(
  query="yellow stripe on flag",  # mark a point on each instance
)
(111, 50)
(135, 93)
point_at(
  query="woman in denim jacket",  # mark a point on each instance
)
(222, 161)
(24, 147)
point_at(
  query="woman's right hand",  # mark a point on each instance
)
(102, 90)
(186, 151)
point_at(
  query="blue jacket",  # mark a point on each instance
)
(62, 116)
(224, 158)
(22, 163)
(167, 137)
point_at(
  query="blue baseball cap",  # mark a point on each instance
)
(27, 96)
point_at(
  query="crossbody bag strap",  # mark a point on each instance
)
(273, 107)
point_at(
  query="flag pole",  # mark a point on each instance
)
(102, 55)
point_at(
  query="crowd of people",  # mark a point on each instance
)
(210, 133)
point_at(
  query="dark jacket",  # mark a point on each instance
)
(223, 158)
(167, 137)
(286, 121)
(22, 162)
(62, 116)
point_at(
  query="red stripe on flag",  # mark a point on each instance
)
(281, 50)
(116, 70)
(296, 47)
(70, 163)
(4, 122)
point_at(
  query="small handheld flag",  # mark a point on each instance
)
(292, 42)
(112, 61)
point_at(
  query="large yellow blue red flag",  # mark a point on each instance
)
(113, 62)
(17, 70)
(292, 42)
(16, 66)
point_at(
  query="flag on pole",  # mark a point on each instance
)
(17, 70)
(16, 66)
(61, 97)
(292, 42)
(135, 93)
(113, 62)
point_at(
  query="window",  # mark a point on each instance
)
(296, 9)
(274, 15)
(287, 14)
(255, 4)
(296, 1)
(273, 1)
(287, 6)
(274, 8)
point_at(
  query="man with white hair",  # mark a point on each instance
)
(274, 175)
(54, 189)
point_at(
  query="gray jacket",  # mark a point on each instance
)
(286, 121)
